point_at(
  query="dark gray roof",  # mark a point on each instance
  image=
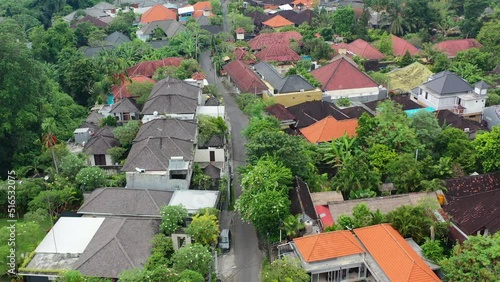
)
(119, 244)
(448, 83)
(170, 27)
(102, 140)
(212, 101)
(176, 128)
(304, 16)
(104, 6)
(170, 104)
(141, 3)
(213, 29)
(94, 51)
(94, 118)
(212, 171)
(482, 85)
(215, 141)
(125, 202)
(117, 38)
(157, 44)
(125, 105)
(291, 83)
(170, 85)
(154, 153)
(96, 13)
(203, 20)
(301, 201)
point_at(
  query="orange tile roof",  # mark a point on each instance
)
(202, 6)
(277, 21)
(268, 39)
(400, 46)
(329, 245)
(394, 255)
(121, 91)
(307, 3)
(198, 76)
(329, 128)
(158, 13)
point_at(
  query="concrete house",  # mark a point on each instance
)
(170, 27)
(491, 116)
(97, 147)
(126, 109)
(288, 91)
(446, 90)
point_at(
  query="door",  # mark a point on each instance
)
(100, 159)
(212, 156)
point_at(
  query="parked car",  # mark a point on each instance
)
(225, 240)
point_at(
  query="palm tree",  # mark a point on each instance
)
(49, 138)
(338, 151)
(292, 225)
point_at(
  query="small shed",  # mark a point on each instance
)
(82, 135)
(491, 116)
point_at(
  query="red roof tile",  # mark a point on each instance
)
(202, 6)
(277, 53)
(277, 21)
(200, 13)
(324, 215)
(242, 55)
(452, 47)
(240, 30)
(244, 78)
(158, 13)
(149, 68)
(198, 76)
(400, 46)
(280, 112)
(394, 255)
(268, 39)
(329, 128)
(329, 245)
(365, 50)
(121, 91)
(341, 74)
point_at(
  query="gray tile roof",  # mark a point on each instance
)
(154, 153)
(125, 105)
(291, 83)
(176, 128)
(215, 141)
(203, 20)
(94, 51)
(102, 140)
(212, 171)
(448, 83)
(170, 85)
(212, 101)
(482, 85)
(117, 38)
(118, 245)
(170, 104)
(157, 44)
(213, 29)
(170, 27)
(94, 118)
(104, 6)
(125, 202)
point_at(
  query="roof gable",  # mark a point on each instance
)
(126, 202)
(102, 140)
(117, 38)
(329, 128)
(452, 47)
(365, 50)
(125, 106)
(158, 13)
(394, 255)
(340, 75)
(277, 53)
(448, 83)
(280, 112)
(170, 86)
(268, 39)
(244, 78)
(401, 46)
(164, 127)
(329, 245)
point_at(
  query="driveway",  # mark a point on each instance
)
(243, 262)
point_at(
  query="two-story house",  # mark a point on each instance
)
(448, 91)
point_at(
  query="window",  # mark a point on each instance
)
(426, 95)
(212, 156)
(100, 159)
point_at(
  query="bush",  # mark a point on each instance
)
(108, 121)
(343, 102)
(90, 178)
(71, 164)
(194, 257)
(172, 217)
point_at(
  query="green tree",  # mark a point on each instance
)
(292, 226)
(480, 58)
(264, 209)
(362, 215)
(467, 71)
(487, 146)
(204, 229)
(338, 151)
(200, 180)
(470, 26)
(426, 127)
(474, 260)
(141, 90)
(237, 20)
(344, 20)
(90, 178)
(259, 124)
(379, 156)
(267, 174)
(433, 250)
(47, 44)
(356, 175)
(404, 173)
(126, 133)
(406, 60)
(55, 201)
(209, 126)
(195, 257)
(109, 121)
(190, 276)
(454, 143)
(490, 38)
(285, 270)
(71, 164)
(162, 250)
(171, 218)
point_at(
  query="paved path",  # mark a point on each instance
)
(244, 261)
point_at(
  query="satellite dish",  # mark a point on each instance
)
(155, 113)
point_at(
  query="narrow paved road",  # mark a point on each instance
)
(247, 256)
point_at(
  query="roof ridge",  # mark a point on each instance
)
(314, 245)
(86, 203)
(120, 244)
(152, 199)
(151, 150)
(394, 239)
